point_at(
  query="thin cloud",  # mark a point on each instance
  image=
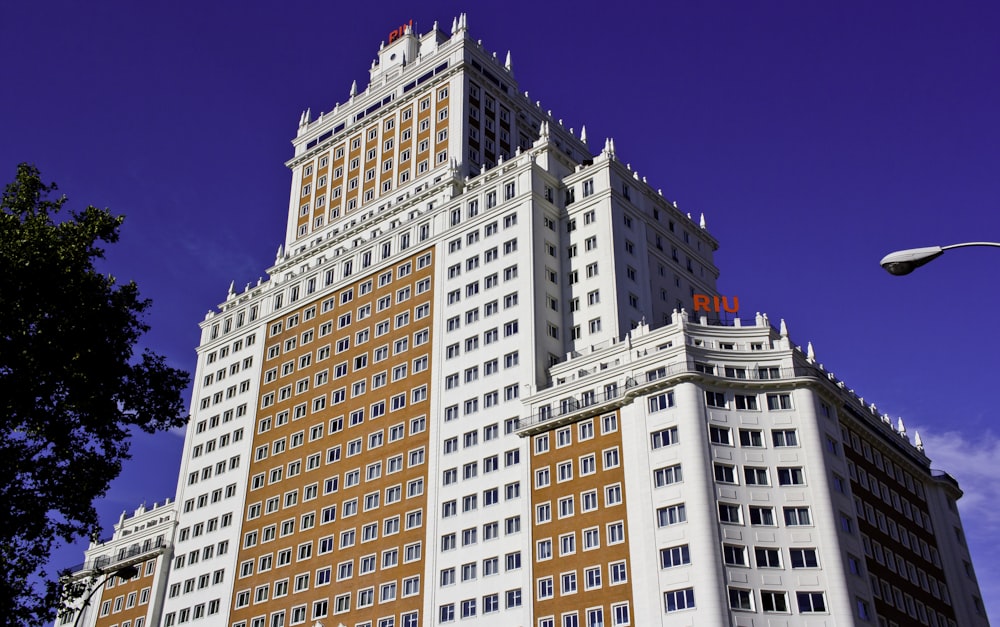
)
(973, 463)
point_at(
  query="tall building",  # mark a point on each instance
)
(489, 376)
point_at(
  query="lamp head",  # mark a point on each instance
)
(906, 261)
(126, 573)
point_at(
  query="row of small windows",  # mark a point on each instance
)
(732, 513)
(759, 475)
(621, 616)
(490, 531)
(587, 466)
(229, 324)
(219, 468)
(585, 431)
(882, 462)
(589, 540)
(231, 392)
(234, 368)
(202, 582)
(742, 599)
(469, 571)
(890, 497)
(216, 443)
(468, 608)
(321, 609)
(891, 594)
(216, 496)
(737, 555)
(121, 603)
(198, 529)
(472, 210)
(189, 613)
(747, 402)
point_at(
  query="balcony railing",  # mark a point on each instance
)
(641, 383)
(105, 563)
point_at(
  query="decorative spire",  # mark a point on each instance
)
(701, 222)
(354, 89)
(783, 328)
(280, 254)
(232, 290)
(454, 25)
(900, 427)
(583, 133)
(810, 354)
(506, 62)
(917, 441)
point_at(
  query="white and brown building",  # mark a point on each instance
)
(465, 391)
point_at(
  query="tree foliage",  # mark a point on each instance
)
(71, 384)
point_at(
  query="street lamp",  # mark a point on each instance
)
(906, 261)
(126, 573)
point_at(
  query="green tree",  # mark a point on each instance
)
(71, 385)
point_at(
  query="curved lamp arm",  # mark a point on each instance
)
(906, 261)
(125, 573)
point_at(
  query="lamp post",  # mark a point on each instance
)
(906, 261)
(124, 574)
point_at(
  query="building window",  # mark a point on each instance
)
(676, 600)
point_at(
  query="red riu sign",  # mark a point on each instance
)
(399, 32)
(704, 302)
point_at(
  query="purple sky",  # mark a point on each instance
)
(814, 138)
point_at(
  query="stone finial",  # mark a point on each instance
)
(783, 328)
(506, 62)
(583, 133)
(919, 443)
(232, 289)
(900, 427)
(354, 88)
(280, 254)
(810, 354)
(701, 222)
(454, 25)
